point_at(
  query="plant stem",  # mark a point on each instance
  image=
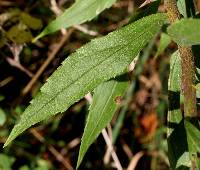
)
(187, 66)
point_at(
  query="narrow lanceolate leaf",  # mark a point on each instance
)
(78, 13)
(102, 109)
(164, 42)
(176, 135)
(185, 31)
(186, 8)
(94, 63)
(183, 135)
(181, 4)
(174, 88)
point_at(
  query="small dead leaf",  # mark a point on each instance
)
(19, 33)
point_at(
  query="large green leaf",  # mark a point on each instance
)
(79, 12)
(96, 62)
(102, 109)
(185, 31)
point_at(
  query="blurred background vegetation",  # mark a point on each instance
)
(139, 126)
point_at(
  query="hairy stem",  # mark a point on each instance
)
(187, 66)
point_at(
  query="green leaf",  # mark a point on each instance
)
(176, 135)
(185, 31)
(30, 21)
(183, 136)
(186, 8)
(2, 117)
(19, 33)
(181, 4)
(25, 167)
(80, 73)
(6, 162)
(193, 138)
(78, 13)
(102, 109)
(164, 42)
(174, 84)
(197, 87)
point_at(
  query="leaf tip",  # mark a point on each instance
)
(14, 133)
(78, 162)
(7, 142)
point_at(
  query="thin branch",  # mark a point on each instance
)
(111, 149)
(6, 81)
(59, 157)
(18, 65)
(16, 49)
(135, 160)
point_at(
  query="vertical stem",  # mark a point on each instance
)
(187, 66)
(172, 10)
(188, 81)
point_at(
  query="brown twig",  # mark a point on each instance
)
(7, 3)
(187, 66)
(135, 160)
(47, 62)
(59, 157)
(16, 49)
(18, 65)
(6, 81)
(111, 149)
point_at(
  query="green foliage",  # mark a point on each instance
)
(104, 105)
(96, 62)
(2, 117)
(100, 66)
(182, 7)
(6, 162)
(193, 137)
(181, 131)
(79, 12)
(19, 34)
(21, 26)
(185, 31)
(186, 8)
(176, 134)
(31, 22)
(164, 42)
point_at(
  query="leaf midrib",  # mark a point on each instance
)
(112, 92)
(39, 110)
